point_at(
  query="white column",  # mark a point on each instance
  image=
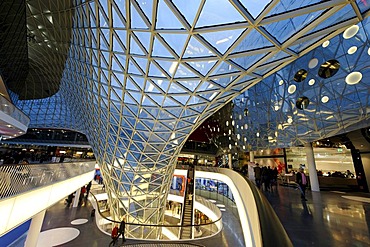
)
(251, 156)
(230, 161)
(77, 197)
(34, 230)
(314, 181)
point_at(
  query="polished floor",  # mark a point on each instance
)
(328, 218)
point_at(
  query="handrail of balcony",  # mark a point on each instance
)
(211, 226)
(10, 109)
(19, 178)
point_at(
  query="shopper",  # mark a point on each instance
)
(301, 180)
(257, 175)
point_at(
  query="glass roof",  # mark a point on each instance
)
(140, 76)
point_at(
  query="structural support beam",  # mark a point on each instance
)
(34, 230)
(314, 181)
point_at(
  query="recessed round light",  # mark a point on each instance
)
(326, 43)
(290, 120)
(291, 89)
(352, 50)
(311, 82)
(350, 32)
(353, 78)
(368, 51)
(325, 99)
(281, 82)
(313, 63)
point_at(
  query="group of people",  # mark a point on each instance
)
(117, 232)
(265, 177)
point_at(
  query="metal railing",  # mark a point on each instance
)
(9, 108)
(20, 178)
(156, 232)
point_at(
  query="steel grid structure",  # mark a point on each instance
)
(337, 104)
(142, 75)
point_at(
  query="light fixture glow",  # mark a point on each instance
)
(350, 32)
(324, 99)
(311, 82)
(326, 43)
(291, 89)
(353, 78)
(352, 50)
(313, 63)
(281, 82)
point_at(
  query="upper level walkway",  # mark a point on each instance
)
(327, 219)
(26, 190)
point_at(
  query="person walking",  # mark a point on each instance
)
(301, 180)
(257, 175)
(114, 236)
(122, 230)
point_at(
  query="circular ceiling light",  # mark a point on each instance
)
(311, 82)
(326, 43)
(350, 32)
(325, 99)
(291, 89)
(290, 120)
(313, 63)
(281, 82)
(368, 51)
(353, 78)
(329, 68)
(352, 50)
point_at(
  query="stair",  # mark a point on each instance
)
(187, 216)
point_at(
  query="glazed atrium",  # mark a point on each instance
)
(138, 77)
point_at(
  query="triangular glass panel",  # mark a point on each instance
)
(139, 81)
(131, 84)
(151, 87)
(154, 70)
(255, 7)
(118, 44)
(202, 66)
(157, 98)
(129, 100)
(142, 62)
(136, 19)
(248, 61)
(147, 101)
(218, 14)
(135, 48)
(188, 8)
(119, 15)
(168, 101)
(191, 85)
(224, 68)
(196, 49)
(177, 88)
(196, 100)
(133, 69)
(181, 98)
(176, 42)
(284, 29)
(147, 8)
(144, 38)
(222, 40)
(166, 19)
(136, 95)
(205, 86)
(159, 49)
(116, 65)
(183, 72)
(254, 40)
(169, 67)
